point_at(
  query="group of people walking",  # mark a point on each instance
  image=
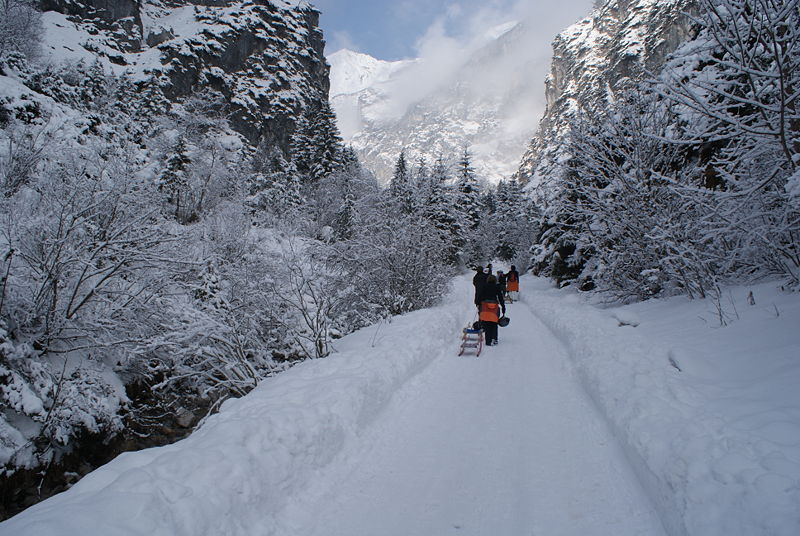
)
(491, 292)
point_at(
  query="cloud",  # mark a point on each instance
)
(339, 40)
(462, 28)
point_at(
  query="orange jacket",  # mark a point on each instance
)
(489, 311)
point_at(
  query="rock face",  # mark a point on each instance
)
(620, 39)
(265, 57)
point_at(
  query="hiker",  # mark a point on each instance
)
(478, 281)
(512, 283)
(490, 303)
(489, 268)
(501, 280)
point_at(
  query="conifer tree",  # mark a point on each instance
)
(515, 230)
(469, 192)
(316, 145)
(94, 85)
(440, 211)
(346, 217)
(400, 187)
(300, 145)
(152, 103)
(275, 186)
(326, 142)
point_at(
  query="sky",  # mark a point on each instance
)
(401, 29)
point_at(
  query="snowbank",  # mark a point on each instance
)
(709, 415)
(244, 465)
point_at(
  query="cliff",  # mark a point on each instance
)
(265, 57)
(620, 39)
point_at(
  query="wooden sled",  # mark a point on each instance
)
(471, 341)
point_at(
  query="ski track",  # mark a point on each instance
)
(503, 444)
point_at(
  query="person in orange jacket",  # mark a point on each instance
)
(512, 283)
(490, 303)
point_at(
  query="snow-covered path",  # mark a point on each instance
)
(506, 443)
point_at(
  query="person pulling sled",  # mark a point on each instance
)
(490, 303)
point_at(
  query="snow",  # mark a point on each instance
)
(63, 40)
(574, 424)
(352, 72)
(708, 414)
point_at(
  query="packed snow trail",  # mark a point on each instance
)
(506, 443)
(393, 434)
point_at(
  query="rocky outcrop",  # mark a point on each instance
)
(621, 39)
(118, 18)
(265, 57)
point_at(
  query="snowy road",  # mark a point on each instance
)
(503, 444)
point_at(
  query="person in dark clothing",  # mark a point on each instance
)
(501, 280)
(490, 302)
(478, 281)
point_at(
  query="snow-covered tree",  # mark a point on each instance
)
(736, 90)
(316, 145)
(401, 187)
(174, 181)
(20, 27)
(469, 191)
(440, 210)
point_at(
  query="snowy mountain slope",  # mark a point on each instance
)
(352, 72)
(488, 100)
(716, 444)
(356, 80)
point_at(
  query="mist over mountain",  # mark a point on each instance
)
(486, 95)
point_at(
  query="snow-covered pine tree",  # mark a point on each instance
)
(440, 210)
(469, 196)
(274, 190)
(401, 188)
(301, 146)
(326, 142)
(347, 216)
(152, 103)
(517, 223)
(421, 182)
(94, 85)
(471, 211)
